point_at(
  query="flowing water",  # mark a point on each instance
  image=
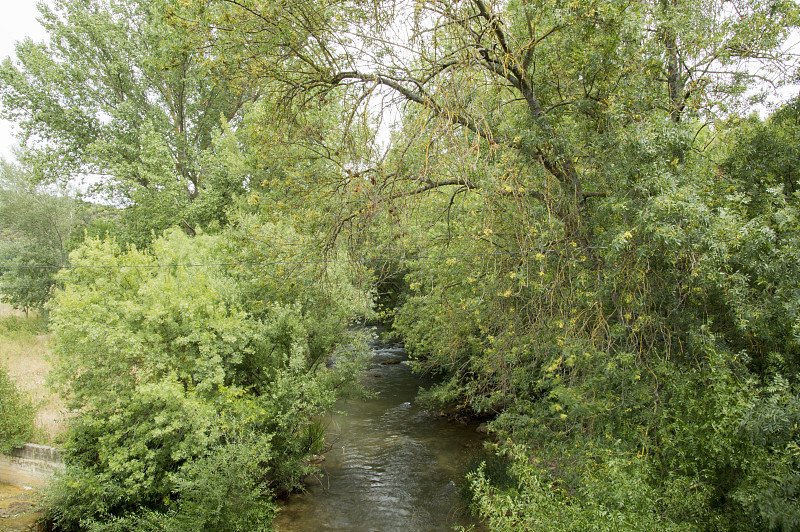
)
(393, 465)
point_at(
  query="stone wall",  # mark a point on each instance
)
(30, 465)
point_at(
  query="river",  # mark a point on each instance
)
(393, 465)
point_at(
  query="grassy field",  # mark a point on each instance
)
(25, 351)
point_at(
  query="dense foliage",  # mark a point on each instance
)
(17, 414)
(575, 222)
(192, 406)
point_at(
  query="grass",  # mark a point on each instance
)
(25, 351)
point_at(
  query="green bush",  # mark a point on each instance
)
(195, 408)
(614, 496)
(17, 414)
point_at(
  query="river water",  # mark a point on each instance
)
(393, 465)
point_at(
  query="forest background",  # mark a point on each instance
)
(577, 221)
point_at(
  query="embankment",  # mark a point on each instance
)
(30, 465)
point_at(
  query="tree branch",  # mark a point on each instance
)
(420, 97)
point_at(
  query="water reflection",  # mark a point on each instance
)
(393, 465)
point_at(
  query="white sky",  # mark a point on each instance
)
(17, 21)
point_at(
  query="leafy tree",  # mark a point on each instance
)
(27, 275)
(537, 83)
(122, 91)
(46, 217)
(39, 229)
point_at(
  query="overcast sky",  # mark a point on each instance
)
(18, 21)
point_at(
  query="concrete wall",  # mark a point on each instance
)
(30, 465)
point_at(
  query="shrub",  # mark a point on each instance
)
(17, 414)
(194, 408)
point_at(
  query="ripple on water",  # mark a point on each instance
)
(392, 466)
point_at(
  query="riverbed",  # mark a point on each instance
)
(18, 508)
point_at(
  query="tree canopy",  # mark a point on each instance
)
(122, 92)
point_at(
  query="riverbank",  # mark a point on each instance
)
(25, 351)
(19, 510)
(22, 474)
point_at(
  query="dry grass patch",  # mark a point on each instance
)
(25, 351)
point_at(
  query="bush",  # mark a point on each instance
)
(195, 409)
(17, 414)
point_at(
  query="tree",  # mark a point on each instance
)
(123, 91)
(46, 216)
(39, 228)
(552, 85)
(27, 275)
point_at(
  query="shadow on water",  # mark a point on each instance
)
(392, 465)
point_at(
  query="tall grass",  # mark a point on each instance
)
(25, 352)
(13, 326)
(16, 414)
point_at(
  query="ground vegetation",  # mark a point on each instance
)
(575, 219)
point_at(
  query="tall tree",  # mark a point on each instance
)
(123, 91)
(38, 227)
(551, 83)
(37, 213)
